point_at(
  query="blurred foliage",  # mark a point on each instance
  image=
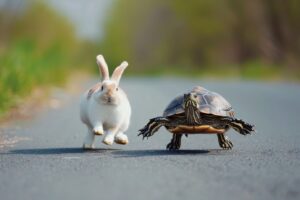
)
(37, 48)
(252, 39)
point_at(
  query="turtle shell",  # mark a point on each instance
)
(210, 103)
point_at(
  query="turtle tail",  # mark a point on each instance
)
(152, 126)
(241, 126)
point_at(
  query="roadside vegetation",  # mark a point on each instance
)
(37, 48)
(228, 38)
(220, 39)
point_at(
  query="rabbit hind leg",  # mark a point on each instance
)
(89, 142)
(121, 138)
(110, 136)
(98, 129)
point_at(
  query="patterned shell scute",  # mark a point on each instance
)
(175, 107)
(210, 102)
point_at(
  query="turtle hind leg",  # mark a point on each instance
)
(152, 126)
(224, 142)
(175, 142)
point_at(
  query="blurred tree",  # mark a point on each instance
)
(202, 34)
(38, 47)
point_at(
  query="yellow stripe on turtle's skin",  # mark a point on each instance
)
(202, 129)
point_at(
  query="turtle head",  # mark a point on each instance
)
(190, 100)
(191, 105)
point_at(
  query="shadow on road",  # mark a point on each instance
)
(117, 152)
(143, 153)
(55, 151)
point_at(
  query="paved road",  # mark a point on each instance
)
(51, 165)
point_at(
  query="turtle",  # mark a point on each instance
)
(199, 111)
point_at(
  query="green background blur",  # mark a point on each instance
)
(258, 39)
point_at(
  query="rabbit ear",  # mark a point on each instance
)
(117, 74)
(102, 67)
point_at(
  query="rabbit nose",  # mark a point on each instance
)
(109, 92)
(109, 99)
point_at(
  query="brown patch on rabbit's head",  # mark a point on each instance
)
(110, 93)
(94, 89)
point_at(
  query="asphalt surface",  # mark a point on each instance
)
(48, 162)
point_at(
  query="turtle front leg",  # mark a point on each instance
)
(152, 126)
(224, 142)
(175, 142)
(238, 125)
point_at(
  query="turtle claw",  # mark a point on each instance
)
(224, 142)
(242, 127)
(248, 129)
(172, 146)
(146, 133)
(152, 126)
(227, 144)
(175, 142)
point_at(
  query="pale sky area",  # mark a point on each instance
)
(88, 17)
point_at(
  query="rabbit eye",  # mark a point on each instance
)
(117, 89)
(102, 88)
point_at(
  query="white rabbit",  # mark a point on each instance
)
(105, 108)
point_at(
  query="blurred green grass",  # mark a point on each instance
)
(38, 48)
(200, 39)
(223, 39)
(255, 70)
